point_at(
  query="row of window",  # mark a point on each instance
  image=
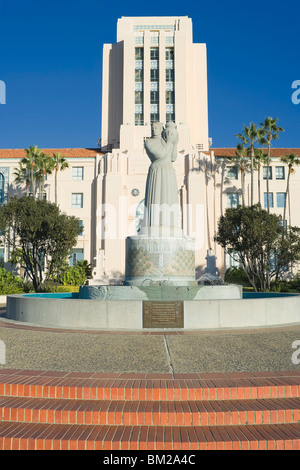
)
(232, 172)
(154, 80)
(233, 200)
(154, 53)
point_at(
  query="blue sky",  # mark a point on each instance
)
(51, 63)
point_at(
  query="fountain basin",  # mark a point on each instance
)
(70, 311)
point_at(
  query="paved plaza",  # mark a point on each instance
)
(147, 351)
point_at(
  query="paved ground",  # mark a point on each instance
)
(151, 351)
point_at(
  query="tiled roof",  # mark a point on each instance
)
(69, 153)
(91, 152)
(275, 152)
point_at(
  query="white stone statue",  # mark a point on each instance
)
(161, 198)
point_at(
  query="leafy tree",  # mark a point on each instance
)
(40, 236)
(253, 237)
(269, 132)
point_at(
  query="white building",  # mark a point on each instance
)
(154, 71)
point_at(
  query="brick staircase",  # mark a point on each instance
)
(42, 410)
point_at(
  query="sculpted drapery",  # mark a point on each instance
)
(161, 198)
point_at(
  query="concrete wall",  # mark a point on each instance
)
(114, 314)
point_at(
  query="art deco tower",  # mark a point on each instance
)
(154, 73)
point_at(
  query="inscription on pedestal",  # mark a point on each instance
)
(167, 314)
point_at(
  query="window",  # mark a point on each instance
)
(81, 228)
(139, 215)
(2, 183)
(265, 172)
(154, 117)
(154, 97)
(154, 53)
(170, 97)
(169, 53)
(75, 256)
(283, 224)
(232, 260)
(280, 199)
(279, 172)
(232, 200)
(139, 53)
(270, 200)
(139, 39)
(170, 117)
(169, 75)
(154, 75)
(1, 257)
(138, 97)
(232, 172)
(139, 119)
(77, 173)
(139, 75)
(77, 200)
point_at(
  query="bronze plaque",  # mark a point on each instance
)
(163, 314)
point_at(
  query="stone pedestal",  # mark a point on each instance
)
(160, 259)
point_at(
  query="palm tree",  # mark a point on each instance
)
(30, 162)
(250, 136)
(291, 160)
(270, 131)
(59, 163)
(45, 167)
(22, 174)
(260, 159)
(243, 164)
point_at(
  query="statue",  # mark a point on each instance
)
(161, 198)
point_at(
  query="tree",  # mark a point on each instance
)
(42, 236)
(44, 167)
(269, 131)
(22, 174)
(253, 237)
(290, 160)
(260, 159)
(59, 163)
(250, 137)
(242, 160)
(30, 162)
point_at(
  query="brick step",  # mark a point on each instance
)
(164, 413)
(29, 436)
(39, 384)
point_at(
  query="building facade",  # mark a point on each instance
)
(154, 72)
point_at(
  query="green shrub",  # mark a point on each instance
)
(237, 276)
(10, 283)
(292, 286)
(74, 276)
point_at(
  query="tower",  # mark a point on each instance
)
(154, 72)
